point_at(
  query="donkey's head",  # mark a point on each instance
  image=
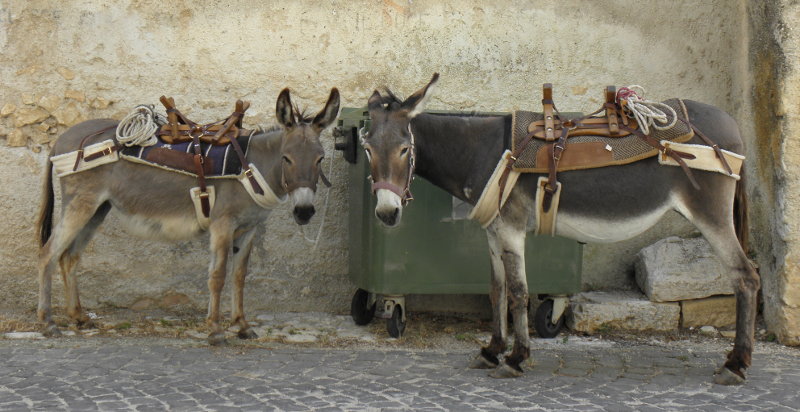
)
(391, 151)
(302, 152)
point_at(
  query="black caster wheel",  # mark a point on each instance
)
(543, 320)
(361, 314)
(396, 325)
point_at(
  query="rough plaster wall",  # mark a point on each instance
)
(63, 63)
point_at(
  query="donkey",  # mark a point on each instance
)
(156, 203)
(458, 153)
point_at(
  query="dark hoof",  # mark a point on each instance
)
(724, 376)
(217, 339)
(51, 331)
(505, 371)
(480, 362)
(247, 334)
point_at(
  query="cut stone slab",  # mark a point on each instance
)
(596, 311)
(718, 311)
(675, 269)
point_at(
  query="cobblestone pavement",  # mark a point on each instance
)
(571, 373)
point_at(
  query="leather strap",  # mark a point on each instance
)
(199, 159)
(93, 156)
(548, 108)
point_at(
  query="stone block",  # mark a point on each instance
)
(76, 95)
(66, 73)
(68, 114)
(50, 102)
(596, 311)
(29, 115)
(675, 269)
(16, 138)
(718, 311)
(7, 109)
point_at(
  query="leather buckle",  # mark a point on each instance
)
(203, 194)
(248, 173)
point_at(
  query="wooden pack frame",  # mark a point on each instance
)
(179, 129)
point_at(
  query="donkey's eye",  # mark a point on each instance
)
(286, 159)
(404, 151)
(320, 160)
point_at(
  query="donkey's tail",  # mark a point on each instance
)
(740, 220)
(44, 226)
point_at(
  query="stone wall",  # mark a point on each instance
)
(64, 63)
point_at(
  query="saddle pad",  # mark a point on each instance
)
(220, 161)
(587, 152)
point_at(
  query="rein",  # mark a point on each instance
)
(403, 192)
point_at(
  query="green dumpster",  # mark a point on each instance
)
(436, 250)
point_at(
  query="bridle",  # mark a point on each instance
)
(403, 192)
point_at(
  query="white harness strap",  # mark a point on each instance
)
(487, 207)
(268, 200)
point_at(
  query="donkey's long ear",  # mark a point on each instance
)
(415, 104)
(375, 101)
(284, 110)
(328, 114)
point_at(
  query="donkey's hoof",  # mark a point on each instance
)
(217, 339)
(247, 334)
(505, 371)
(51, 331)
(480, 362)
(724, 376)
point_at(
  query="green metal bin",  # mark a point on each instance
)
(436, 250)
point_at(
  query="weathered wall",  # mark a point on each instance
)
(774, 61)
(63, 63)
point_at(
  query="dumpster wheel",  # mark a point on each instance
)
(396, 325)
(543, 320)
(360, 308)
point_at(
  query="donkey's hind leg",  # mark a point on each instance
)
(68, 261)
(716, 225)
(488, 358)
(242, 246)
(76, 216)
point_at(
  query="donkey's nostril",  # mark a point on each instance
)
(388, 216)
(302, 214)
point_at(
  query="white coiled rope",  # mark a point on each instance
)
(140, 126)
(646, 112)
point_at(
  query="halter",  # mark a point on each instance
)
(403, 192)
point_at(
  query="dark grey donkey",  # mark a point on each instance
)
(458, 153)
(157, 202)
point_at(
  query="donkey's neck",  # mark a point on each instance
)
(265, 153)
(458, 152)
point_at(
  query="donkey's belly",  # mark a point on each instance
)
(595, 229)
(169, 228)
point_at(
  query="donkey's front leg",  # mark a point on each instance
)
(242, 246)
(488, 358)
(221, 240)
(512, 241)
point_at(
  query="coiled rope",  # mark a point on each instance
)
(646, 112)
(140, 126)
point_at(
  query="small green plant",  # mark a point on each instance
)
(683, 358)
(604, 328)
(165, 322)
(771, 337)
(565, 339)
(465, 337)
(123, 326)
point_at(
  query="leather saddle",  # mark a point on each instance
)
(607, 124)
